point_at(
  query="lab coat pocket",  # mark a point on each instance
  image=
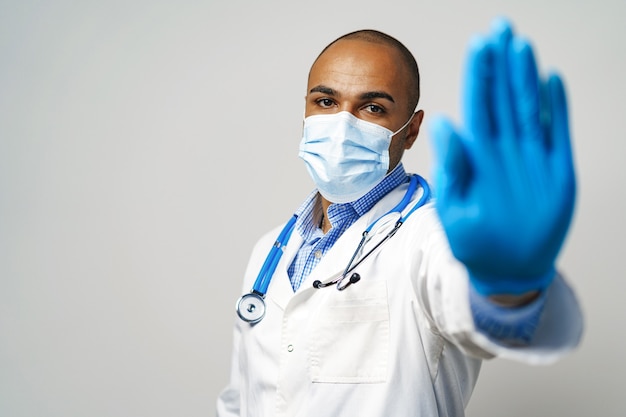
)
(349, 341)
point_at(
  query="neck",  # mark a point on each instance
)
(325, 222)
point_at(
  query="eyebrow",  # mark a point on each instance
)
(324, 90)
(365, 96)
(377, 94)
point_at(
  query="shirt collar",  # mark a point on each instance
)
(388, 183)
(310, 212)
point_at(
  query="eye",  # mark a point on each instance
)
(325, 102)
(374, 108)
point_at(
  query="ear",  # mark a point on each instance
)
(413, 129)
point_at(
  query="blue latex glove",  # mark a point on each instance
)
(505, 184)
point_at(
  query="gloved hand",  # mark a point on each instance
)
(505, 184)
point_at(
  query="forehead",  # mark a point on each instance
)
(355, 66)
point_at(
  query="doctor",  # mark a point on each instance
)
(338, 324)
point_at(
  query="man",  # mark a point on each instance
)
(470, 275)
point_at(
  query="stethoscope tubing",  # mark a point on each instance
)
(398, 208)
(271, 262)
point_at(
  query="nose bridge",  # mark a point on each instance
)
(348, 104)
(344, 129)
(341, 126)
(350, 107)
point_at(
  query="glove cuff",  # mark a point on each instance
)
(511, 325)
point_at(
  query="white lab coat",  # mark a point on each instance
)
(401, 342)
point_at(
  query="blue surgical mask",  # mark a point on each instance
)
(345, 156)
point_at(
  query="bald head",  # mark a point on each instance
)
(406, 59)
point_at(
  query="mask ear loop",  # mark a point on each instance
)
(403, 126)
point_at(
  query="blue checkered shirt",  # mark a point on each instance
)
(341, 216)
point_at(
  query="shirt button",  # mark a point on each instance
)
(290, 348)
(318, 254)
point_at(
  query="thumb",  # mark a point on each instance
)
(452, 170)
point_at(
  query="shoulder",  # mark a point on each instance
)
(268, 238)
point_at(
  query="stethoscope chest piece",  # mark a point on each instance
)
(251, 307)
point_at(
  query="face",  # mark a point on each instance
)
(369, 81)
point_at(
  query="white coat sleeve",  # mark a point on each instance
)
(228, 401)
(442, 285)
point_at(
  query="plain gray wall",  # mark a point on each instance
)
(145, 146)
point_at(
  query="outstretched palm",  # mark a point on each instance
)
(505, 184)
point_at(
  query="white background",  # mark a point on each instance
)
(145, 146)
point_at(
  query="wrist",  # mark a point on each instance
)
(508, 300)
(510, 324)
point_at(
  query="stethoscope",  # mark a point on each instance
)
(251, 306)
